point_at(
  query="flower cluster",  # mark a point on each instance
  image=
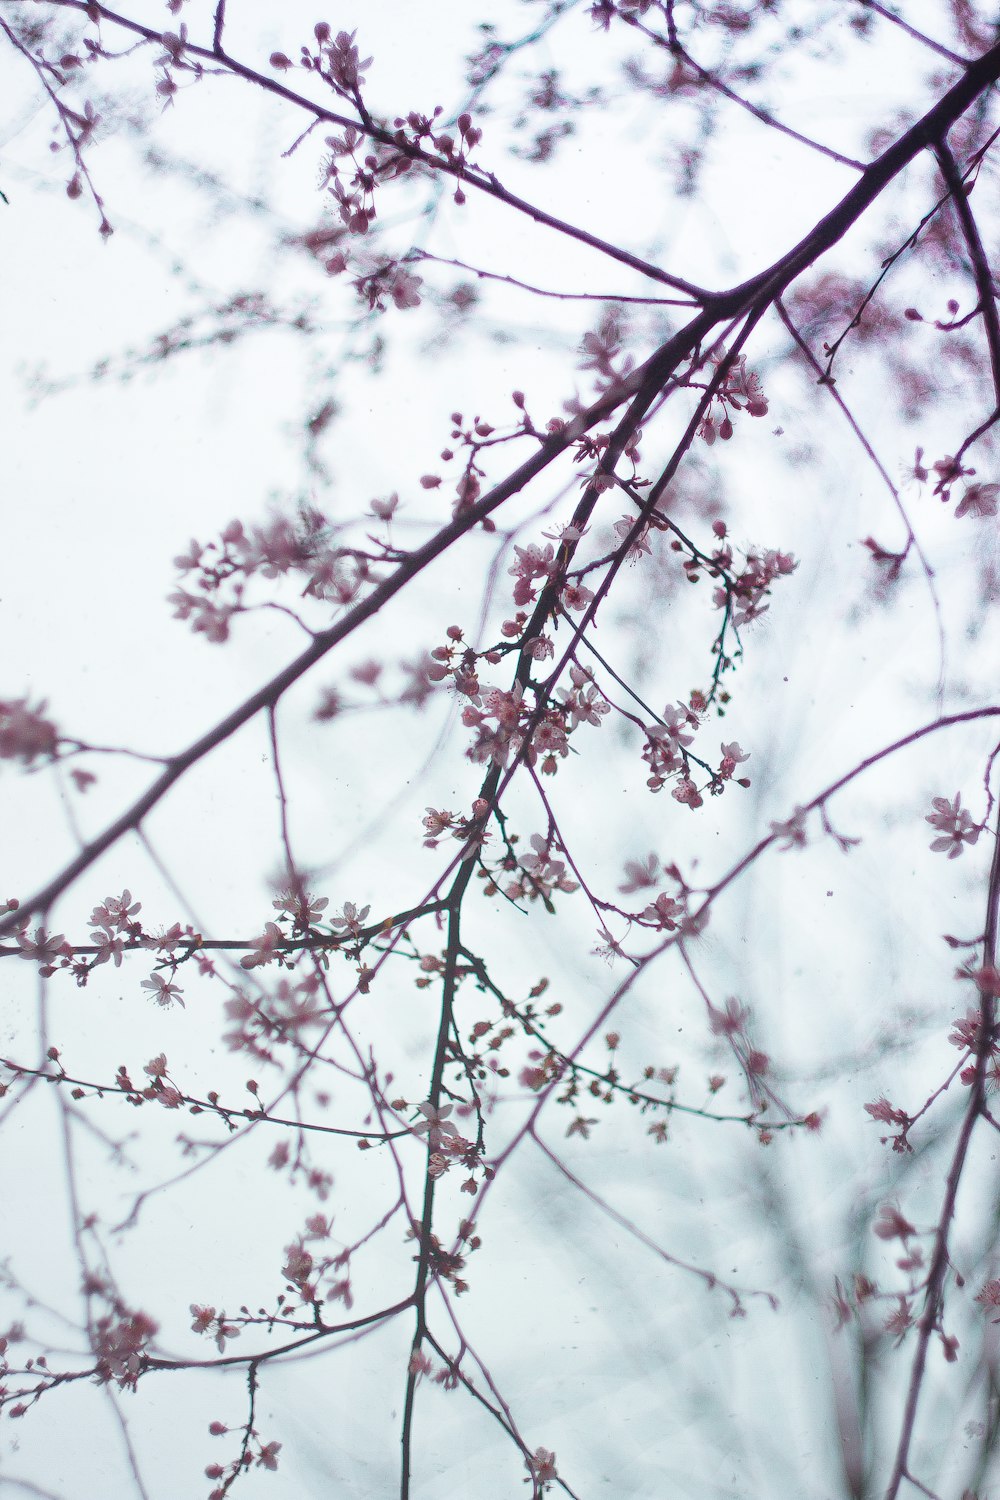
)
(537, 875)
(113, 925)
(887, 1114)
(666, 743)
(120, 1339)
(744, 592)
(278, 1016)
(371, 163)
(447, 1147)
(116, 930)
(732, 1023)
(439, 821)
(740, 390)
(504, 723)
(312, 1278)
(335, 59)
(221, 570)
(388, 279)
(541, 565)
(215, 1324)
(602, 353)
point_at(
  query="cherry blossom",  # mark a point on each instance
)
(492, 1046)
(732, 756)
(640, 874)
(305, 909)
(728, 1022)
(120, 1341)
(533, 563)
(791, 834)
(540, 874)
(351, 920)
(24, 732)
(163, 990)
(664, 913)
(891, 1225)
(43, 948)
(955, 825)
(206, 1319)
(435, 1125)
(989, 1297)
(542, 1466)
(978, 500)
(266, 948)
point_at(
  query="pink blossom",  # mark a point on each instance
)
(732, 756)
(887, 1113)
(575, 596)
(24, 733)
(542, 1466)
(405, 289)
(352, 919)
(544, 874)
(989, 1297)
(640, 874)
(675, 722)
(900, 1321)
(435, 1125)
(385, 509)
(163, 990)
(267, 1458)
(791, 834)
(979, 500)
(329, 705)
(298, 1265)
(305, 908)
(685, 791)
(640, 542)
(203, 1317)
(664, 912)
(420, 684)
(955, 825)
(120, 1345)
(728, 1022)
(436, 823)
(189, 559)
(42, 948)
(532, 563)
(265, 948)
(206, 1318)
(108, 947)
(891, 1225)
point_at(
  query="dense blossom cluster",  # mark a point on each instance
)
(221, 570)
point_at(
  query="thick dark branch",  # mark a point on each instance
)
(980, 265)
(927, 132)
